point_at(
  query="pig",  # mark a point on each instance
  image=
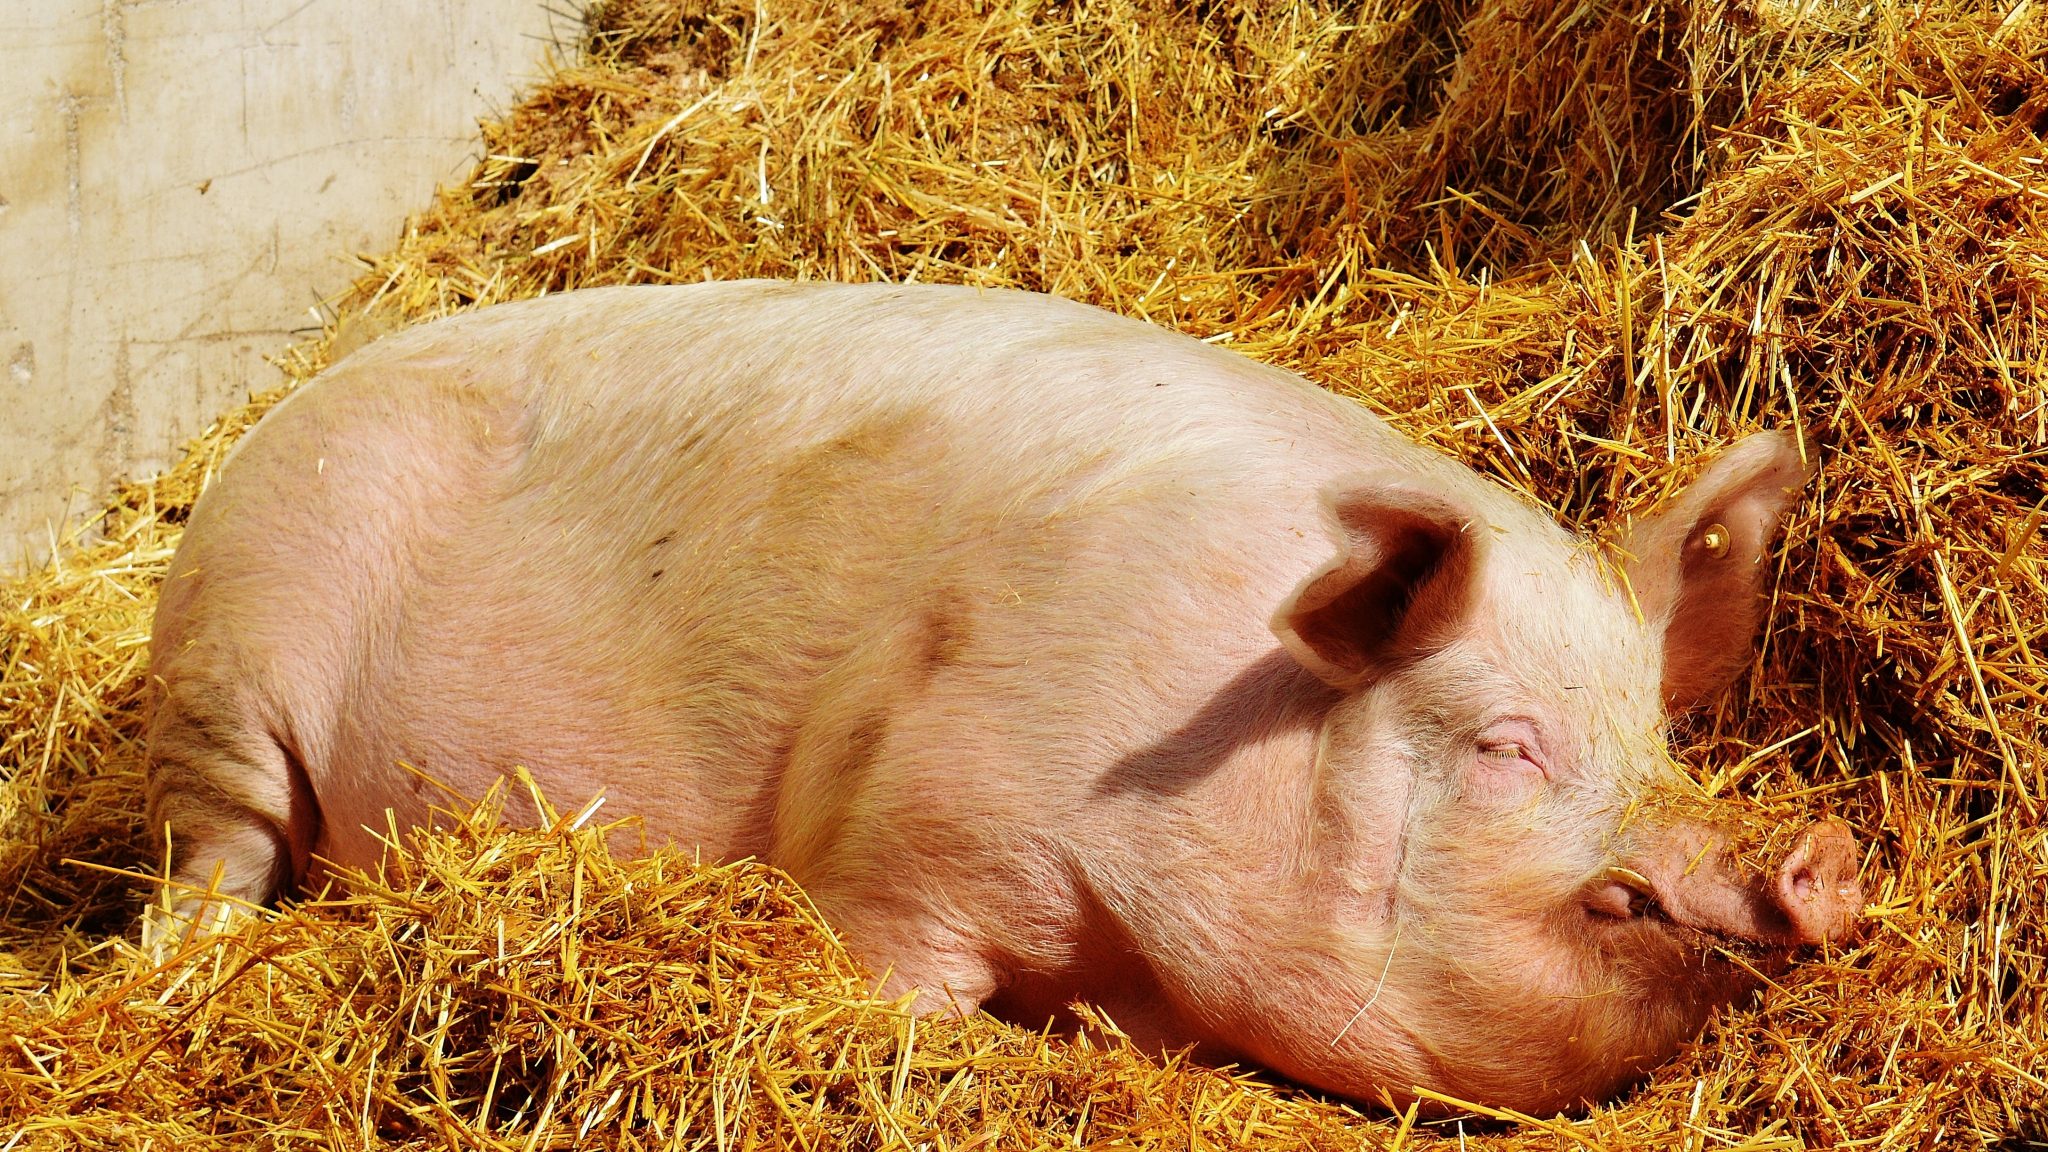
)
(1058, 656)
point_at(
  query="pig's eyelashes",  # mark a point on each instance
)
(1508, 758)
(1511, 746)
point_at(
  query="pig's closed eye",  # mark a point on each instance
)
(1509, 748)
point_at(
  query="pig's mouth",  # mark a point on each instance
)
(1623, 896)
(1811, 897)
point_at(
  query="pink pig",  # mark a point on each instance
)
(1058, 656)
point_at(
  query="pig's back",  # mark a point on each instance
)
(696, 546)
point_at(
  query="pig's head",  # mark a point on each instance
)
(1530, 903)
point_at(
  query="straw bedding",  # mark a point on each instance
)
(1576, 245)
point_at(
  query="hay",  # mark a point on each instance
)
(1572, 244)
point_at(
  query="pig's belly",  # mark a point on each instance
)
(584, 718)
(664, 800)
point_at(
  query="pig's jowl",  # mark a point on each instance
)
(1058, 656)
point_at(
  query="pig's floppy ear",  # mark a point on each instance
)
(1400, 583)
(1697, 566)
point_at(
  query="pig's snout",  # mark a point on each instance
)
(1688, 876)
(1816, 884)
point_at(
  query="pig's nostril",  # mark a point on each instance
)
(1802, 883)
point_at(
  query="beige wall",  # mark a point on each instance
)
(181, 180)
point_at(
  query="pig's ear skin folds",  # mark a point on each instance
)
(1400, 584)
(1700, 564)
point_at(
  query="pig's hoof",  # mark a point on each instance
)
(170, 925)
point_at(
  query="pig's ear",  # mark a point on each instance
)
(1697, 566)
(1400, 583)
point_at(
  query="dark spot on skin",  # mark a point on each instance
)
(944, 636)
(864, 743)
(656, 574)
(664, 538)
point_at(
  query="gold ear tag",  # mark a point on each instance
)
(1715, 540)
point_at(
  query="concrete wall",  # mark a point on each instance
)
(182, 180)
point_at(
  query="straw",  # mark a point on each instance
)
(1578, 246)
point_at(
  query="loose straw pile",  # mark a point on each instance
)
(1577, 245)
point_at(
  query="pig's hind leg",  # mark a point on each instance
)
(229, 802)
